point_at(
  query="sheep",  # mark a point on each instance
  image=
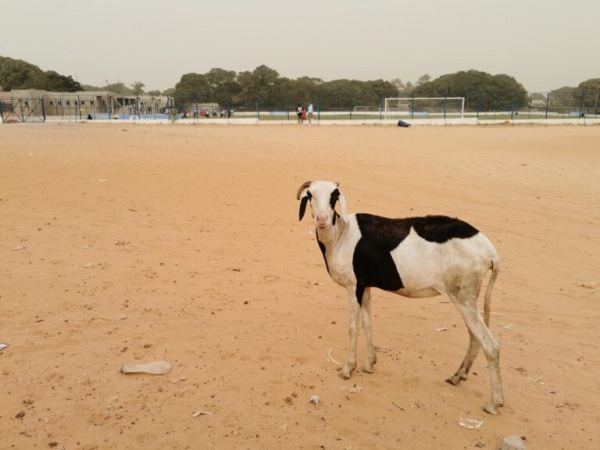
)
(414, 257)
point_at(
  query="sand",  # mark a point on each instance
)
(124, 244)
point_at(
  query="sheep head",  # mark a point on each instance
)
(322, 196)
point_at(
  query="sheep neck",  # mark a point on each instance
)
(333, 234)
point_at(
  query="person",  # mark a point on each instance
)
(310, 112)
(299, 113)
(303, 114)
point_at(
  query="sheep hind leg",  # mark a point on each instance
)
(467, 306)
(463, 371)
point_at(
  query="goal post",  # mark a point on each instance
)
(427, 107)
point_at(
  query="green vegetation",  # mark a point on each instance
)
(18, 74)
(263, 89)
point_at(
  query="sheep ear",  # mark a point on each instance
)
(303, 203)
(343, 212)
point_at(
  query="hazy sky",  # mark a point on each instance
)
(544, 44)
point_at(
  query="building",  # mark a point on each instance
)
(30, 104)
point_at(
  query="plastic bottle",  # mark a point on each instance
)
(154, 367)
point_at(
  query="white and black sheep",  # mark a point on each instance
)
(413, 257)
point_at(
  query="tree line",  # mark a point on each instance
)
(264, 88)
(18, 74)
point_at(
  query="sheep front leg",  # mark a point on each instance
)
(365, 311)
(354, 310)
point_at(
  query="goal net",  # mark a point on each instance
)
(428, 107)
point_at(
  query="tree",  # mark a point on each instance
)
(137, 88)
(52, 81)
(192, 88)
(399, 84)
(117, 88)
(481, 90)
(301, 90)
(587, 93)
(18, 74)
(423, 79)
(381, 89)
(222, 86)
(347, 94)
(264, 80)
(562, 97)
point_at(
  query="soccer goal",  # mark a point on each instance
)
(427, 107)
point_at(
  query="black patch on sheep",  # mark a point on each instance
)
(303, 203)
(372, 261)
(441, 229)
(323, 249)
(335, 195)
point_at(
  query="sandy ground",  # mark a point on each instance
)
(125, 243)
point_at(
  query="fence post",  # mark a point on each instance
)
(445, 106)
(318, 108)
(547, 105)
(512, 108)
(257, 108)
(43, 109)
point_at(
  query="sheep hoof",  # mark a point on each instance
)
(369, 369)
(346, 372)
(491, 408)
(456, 379)
(345, 376)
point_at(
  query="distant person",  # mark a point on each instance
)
(303, 114)
(310, 111)
(299, 113)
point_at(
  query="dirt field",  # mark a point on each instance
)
(129, 243)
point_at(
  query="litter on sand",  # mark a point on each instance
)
(352, 389)
(316, 400)
(331, 358)
(201, 413)
(3, 346)
(471, 424)
(381, 349)
(155, 368)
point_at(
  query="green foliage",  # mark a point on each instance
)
(192, 88)
(481, 90)
(586, 94)
(137, 88)
(117, 88)
(263, 87)
(18, 74)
